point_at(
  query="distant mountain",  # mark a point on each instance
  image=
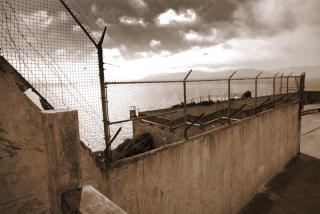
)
(312, 71)
(240, 73)
(312, 75)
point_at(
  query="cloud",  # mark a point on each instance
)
(165, 53)
(94, 8)
(261, 33)
(172, 17)
(40, 18)
(193, 36)
(139, 5)
(155, 43)
(132, 21)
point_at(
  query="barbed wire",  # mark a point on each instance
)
(45, 48)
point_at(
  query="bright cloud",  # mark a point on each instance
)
(243, 51)
(171, 16)
(94, 8)
(165, 53)
(131, 21)
(194, 36)
(40, 18)
(155, 43)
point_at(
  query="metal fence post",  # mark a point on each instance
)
(101, 75)
(288, 87)
(274, 88)
(256, 92)
(301, 93)
(185, 97)
(229, 101)
(103, 97)
(281, 83)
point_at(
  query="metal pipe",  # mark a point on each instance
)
(186, 129)
(256, 92)
(281, 83)
(274, 88)
(138, 118)
(229, 101)
(185, 97)
(288, 87)
(263, 102)
(114, 137)
(235, 112)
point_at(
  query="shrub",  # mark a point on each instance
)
(246, 94)
(139, 144)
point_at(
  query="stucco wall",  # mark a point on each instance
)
(23, 160)
(216, 172)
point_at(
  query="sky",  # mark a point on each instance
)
(148, 37)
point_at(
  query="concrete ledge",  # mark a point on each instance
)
(89, 200)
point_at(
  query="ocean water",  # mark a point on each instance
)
(143, 97)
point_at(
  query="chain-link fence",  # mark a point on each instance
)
(47, 46)
(153, 101)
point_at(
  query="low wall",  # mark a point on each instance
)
(312, 97)
(216, 172)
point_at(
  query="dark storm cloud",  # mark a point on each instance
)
(136, 38)
(133, 24)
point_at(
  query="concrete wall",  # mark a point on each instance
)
(23, 157)
(216, 172)
(41, 155)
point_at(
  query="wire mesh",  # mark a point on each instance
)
(43, 42)
(142, 96)
(154, 99)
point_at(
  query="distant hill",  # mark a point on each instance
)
(312, 75)
(312, 71)
(241, 73)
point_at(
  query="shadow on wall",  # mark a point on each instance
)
(312, 97)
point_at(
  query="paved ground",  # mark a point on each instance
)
(297, 188)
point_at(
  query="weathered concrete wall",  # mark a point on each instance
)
(41, 155)
(23, 160)
(216, 172)
(61, 134)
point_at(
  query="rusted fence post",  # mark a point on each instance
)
(288, 87)
(101, 76)
(301, 93)
(185, 98)
(281, 83)
(256, 92)
(229, 101)
(274, 88)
